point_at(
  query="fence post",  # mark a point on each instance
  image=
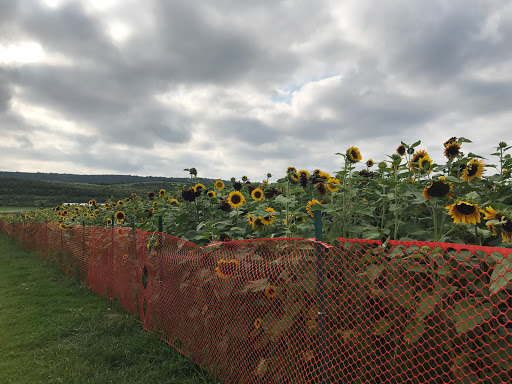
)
(160, 224)
(320, 286)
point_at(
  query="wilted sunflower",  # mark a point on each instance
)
(236, 199)
(291, 169)
(369, 163)
(219, 184)
(451, 149)
(353, 155)
(309, 205)
(438, 188)
(224, 206)
(401, 150)
(414, 163)
(120, 216)
(211, 194)
(227, 268)
(257, 194)
(466, 211)
(271, 291)
(320, 187)
(475, 168)
(332, 184)
(506, 229)
(189, 195)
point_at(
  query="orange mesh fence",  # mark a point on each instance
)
(301, 311)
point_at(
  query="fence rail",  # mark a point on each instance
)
(299, 310)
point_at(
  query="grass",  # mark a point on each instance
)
(53, 330)
(7, 209)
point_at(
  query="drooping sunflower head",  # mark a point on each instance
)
(219, 184)
(451, 149)
(475, 168)
(224, 206)
(293, 177)
(353, 155)
(291, 169)
(320, 187)
(465, 211)
(120, 216)
(257, 194)
(211, 194)
(236, 199)
(414, 163)
(491, 214)
(309, 205)
(506, 229)
(450, 141)
(189, 195)
(237, 185)
(401, 150)
(332, 184)
(438, 188)
(173, 202)
(369, 163)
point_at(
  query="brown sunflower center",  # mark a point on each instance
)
(452, 150)
(353, 154)
(235, 199)
(257, 194)
(472, 169)
(401, 150)
(465, 208)
(438, 189)
(508, 225)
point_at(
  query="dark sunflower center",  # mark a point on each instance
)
(417, 158)
(353, 154)
(472, 169)
(508, 226)
(257, 194)
(465, 208)
(438, 189)
(401, 150)
(235, 199)
(452, 150)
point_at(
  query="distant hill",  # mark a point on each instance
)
(90, 179)
(52, 189)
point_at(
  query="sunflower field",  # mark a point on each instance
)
(463, 199)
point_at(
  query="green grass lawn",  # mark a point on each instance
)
(52, 330)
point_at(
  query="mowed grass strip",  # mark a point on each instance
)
(53, 330)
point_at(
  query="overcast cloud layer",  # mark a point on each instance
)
(246, 87)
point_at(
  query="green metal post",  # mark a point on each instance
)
(320, 286)
(160, 224)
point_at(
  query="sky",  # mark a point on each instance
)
(247, 87)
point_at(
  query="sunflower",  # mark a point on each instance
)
(237, 186)
(450, 141)
(291, 169)
(425, 164)
(491, 214)
(151, 195)
(451, 149)
(257, 323)
(120, 216)
(331, 184)
(245, 178)
(155, 202)
(173, 202)
(227, 268)
(109, 221)
(257, 194)
(506, 230)
(162, 192)
(369, 163)
(474, 169)
(211, 194)
(271, 291)
(268, 220)
(120, 202)
(86, 214)
(63, 227)
(93, 202)
(413, 164)
(320, 187)
(199, 187)
(438, 188)
(219, 184)
(236, 199)
(293, 177)
(401, 150)
(96, 211)
(324, 175)
(303, 173)
(309, 205)
(382, 165)
(353, 155)
(466, 211)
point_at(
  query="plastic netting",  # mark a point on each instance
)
(301, 311)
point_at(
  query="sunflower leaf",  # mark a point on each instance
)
(464, 140)
(471, 154)
(416, 144)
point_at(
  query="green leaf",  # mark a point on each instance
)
(416, 144)
(468, 313)
(256, 285)
(502, 275)
(471, 154)
(414, 330)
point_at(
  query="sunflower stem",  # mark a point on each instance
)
(477, 238)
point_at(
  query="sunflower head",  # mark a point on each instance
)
(219, 184)
(332, 184)
(173, 202)
(369, 163)
(245, 178)
(257, 194)
(474, 168)
(162, 192)
(290, 169)
(120, 216)
(353, 155)
(227, 268)
(506, 229)
(438, 188)
(271, 291)
(309, 205)
(211, 194)
(450, 141)
(237, 185)
(293, 177)
(199, 187)
(320, 187)
(92, 202)
(491, 214)
(451, 149)
(401, 150)
(465, 211)
(236, 199)
(414, 163)
(425, 164)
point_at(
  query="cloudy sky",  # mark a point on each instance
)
(246, 87)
